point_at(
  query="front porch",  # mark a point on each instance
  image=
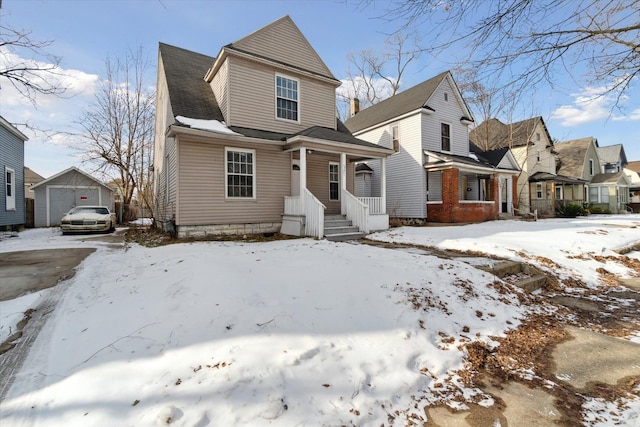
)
(305, 211)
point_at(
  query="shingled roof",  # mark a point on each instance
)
(494, 134)
(571, 155)
(399, 104)
(611, 154)
(189, 95)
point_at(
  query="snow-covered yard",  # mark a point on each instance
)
(294, 332)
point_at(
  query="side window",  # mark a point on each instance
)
(591, 168)
(395, 137)
(10, 187)
(240, 173)
(287, 102)
(445, 136)
(334, 181)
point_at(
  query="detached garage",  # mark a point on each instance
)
(57, 195)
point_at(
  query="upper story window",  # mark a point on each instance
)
(10, 187)
(537, 136)
(446, 96)
(287, 100)
(591, 167)
(538, 156)
(445, 136)
(240, 173)
(395, 138)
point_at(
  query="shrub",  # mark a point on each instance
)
(570, 210)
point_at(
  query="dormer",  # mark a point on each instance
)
(274, 80)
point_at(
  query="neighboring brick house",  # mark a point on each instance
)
(433, 175)
(533, 148)
(606, 191)
(248, 141)
(12, 204)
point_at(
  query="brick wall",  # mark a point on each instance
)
(451, 210)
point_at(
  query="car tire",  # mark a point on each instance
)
(111, 228)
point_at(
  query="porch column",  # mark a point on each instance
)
(343, 181)
(303, 171)
(383, 184)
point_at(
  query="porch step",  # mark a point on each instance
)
(519, 274)
(338, 228)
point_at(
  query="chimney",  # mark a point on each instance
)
(354, 107)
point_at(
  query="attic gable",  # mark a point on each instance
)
(399, 104)
(282, 41)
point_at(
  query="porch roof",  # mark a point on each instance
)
(545, 176)
(447, 161)
(617, 178)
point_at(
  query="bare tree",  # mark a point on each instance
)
(117, 135)
(37, 75)
(374, 76)
(526, 42)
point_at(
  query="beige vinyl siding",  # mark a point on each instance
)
(219, 86)
(406, 185)
(252, 99)
(283, 41)
(593, 155)
(202, 186)
(164, 159)
(448, 112)
(318, 178)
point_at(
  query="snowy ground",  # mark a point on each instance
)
(296, 332)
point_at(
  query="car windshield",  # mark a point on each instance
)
(90, 209)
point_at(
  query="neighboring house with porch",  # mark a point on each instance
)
(58, 194)
(580, 159)
(248, 141)
(12, 204)
(432, 175)
(533, 148)
(633, 173)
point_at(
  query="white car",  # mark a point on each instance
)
(88, 218)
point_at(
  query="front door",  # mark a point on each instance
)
(504, 198)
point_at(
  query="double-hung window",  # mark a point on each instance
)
(10, 188)
(287, 99)
(445, 135)
(240, 173)
(334, 181)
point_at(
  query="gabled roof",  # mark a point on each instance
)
(545, 176)
(494, 134)
(266, 43)
(12, 129)
(437, 160)
(611, 154)
(189, 95)
(64, 172)
(634, 166)
(31, 177)
(571, 155)
(404, 102)
(491, 157)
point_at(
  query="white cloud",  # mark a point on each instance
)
(590, 105)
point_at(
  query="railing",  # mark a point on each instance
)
(356, 211)
(543, 206)
(293, 205)
(375, 205)
(314, 213)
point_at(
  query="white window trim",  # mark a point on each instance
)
(275, 92)
(226, 173)
(338, 181)
(591, 167)
(10, 201)
(450, 137)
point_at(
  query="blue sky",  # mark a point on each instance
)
(85, 32)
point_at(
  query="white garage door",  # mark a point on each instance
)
(62, 200)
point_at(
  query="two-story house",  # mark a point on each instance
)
(433, 175)
(248, 141)
(607, 186)
(533, 148)
(12, 205)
